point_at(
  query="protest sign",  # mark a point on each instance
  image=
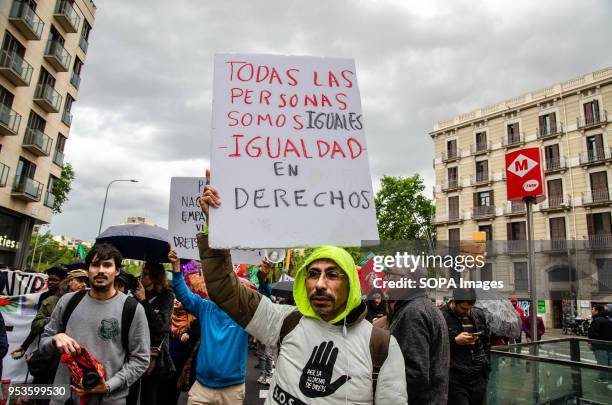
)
(19, 294)
(288, 153)
(185, 220)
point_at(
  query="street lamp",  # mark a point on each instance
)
(106, 197)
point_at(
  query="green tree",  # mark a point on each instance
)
(61, 188)
(402, 211)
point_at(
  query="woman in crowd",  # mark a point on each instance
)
(157, 299)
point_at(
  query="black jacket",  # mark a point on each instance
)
(601, 329)
(159, 317)
(468, 361)
(420, 331)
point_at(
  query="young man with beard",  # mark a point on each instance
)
(328, 352)
(95, 325)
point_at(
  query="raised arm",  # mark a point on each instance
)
(190, 300)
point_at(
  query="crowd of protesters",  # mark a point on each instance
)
(118, 339)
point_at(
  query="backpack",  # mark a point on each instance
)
(38, 362)
(379, 344)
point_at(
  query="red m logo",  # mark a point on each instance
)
(520, 165)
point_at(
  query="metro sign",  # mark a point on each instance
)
(524, 176)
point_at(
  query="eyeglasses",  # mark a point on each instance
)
(331, 274)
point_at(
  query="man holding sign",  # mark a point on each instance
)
(328, 353)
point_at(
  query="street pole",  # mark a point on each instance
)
(531, 269)
(106, 198)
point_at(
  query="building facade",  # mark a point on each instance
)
(44, 48)
(573, 226)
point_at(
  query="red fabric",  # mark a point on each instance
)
(77, 364)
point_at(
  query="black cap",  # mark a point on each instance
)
(127, 279)
(464, 294)
(57, 270)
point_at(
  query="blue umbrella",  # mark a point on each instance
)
(138, 241)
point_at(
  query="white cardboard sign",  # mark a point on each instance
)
(185, 220)
(288, 153)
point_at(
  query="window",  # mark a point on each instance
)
(25, 168)
(517, 231)
(555, 192)
(12, 46)
(481, 141)
(484, 199)
(58, 157)
(54, 35)
(521, 282)
(453, 207)
(595, 149)
(551, 153)
(451, 149)
(6, 102)
(513, 133)
(67, 115)
(482, 171)
(453, 235)
(75, 78)
(591, 112)
(557, 228)
(486, 272)
(599, 224)
(49, 197)
(83, 42)
(36, 122)
(453, 176)
(599, 186)
(548, 124)
(488, 230)
(604, 274)
(45, 79)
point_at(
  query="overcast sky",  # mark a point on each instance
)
(144, 105)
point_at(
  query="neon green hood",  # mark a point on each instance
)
(344, 260)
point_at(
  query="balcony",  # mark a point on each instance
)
(57, 55)
(26, 20)
(83, 44)
(555, 203)
(517, 247)
(555, 246)
(37, 142)
(515, 208)
(549, 132)
(15, 69)
(66, 16)
(450, 156)
(75, 80)
(599, 242)
(49, 199)
(596, 197)
(513, 141)
(481, 179)
(483, 212)
(595, 157)
(554, 165)
(9, 121)
(480, 148)
(27, 189)
(451, 185)
(67, 118)
(4, 172)
(597, 119)
(47, 98)
(451, 218)
(58, 158)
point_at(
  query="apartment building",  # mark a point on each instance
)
(44, 48)
(569, 122)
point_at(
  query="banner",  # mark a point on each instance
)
(19, 295)
(288, 154)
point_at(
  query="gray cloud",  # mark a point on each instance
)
(145, 102)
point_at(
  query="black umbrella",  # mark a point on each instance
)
(138, 241)
(283, 289)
